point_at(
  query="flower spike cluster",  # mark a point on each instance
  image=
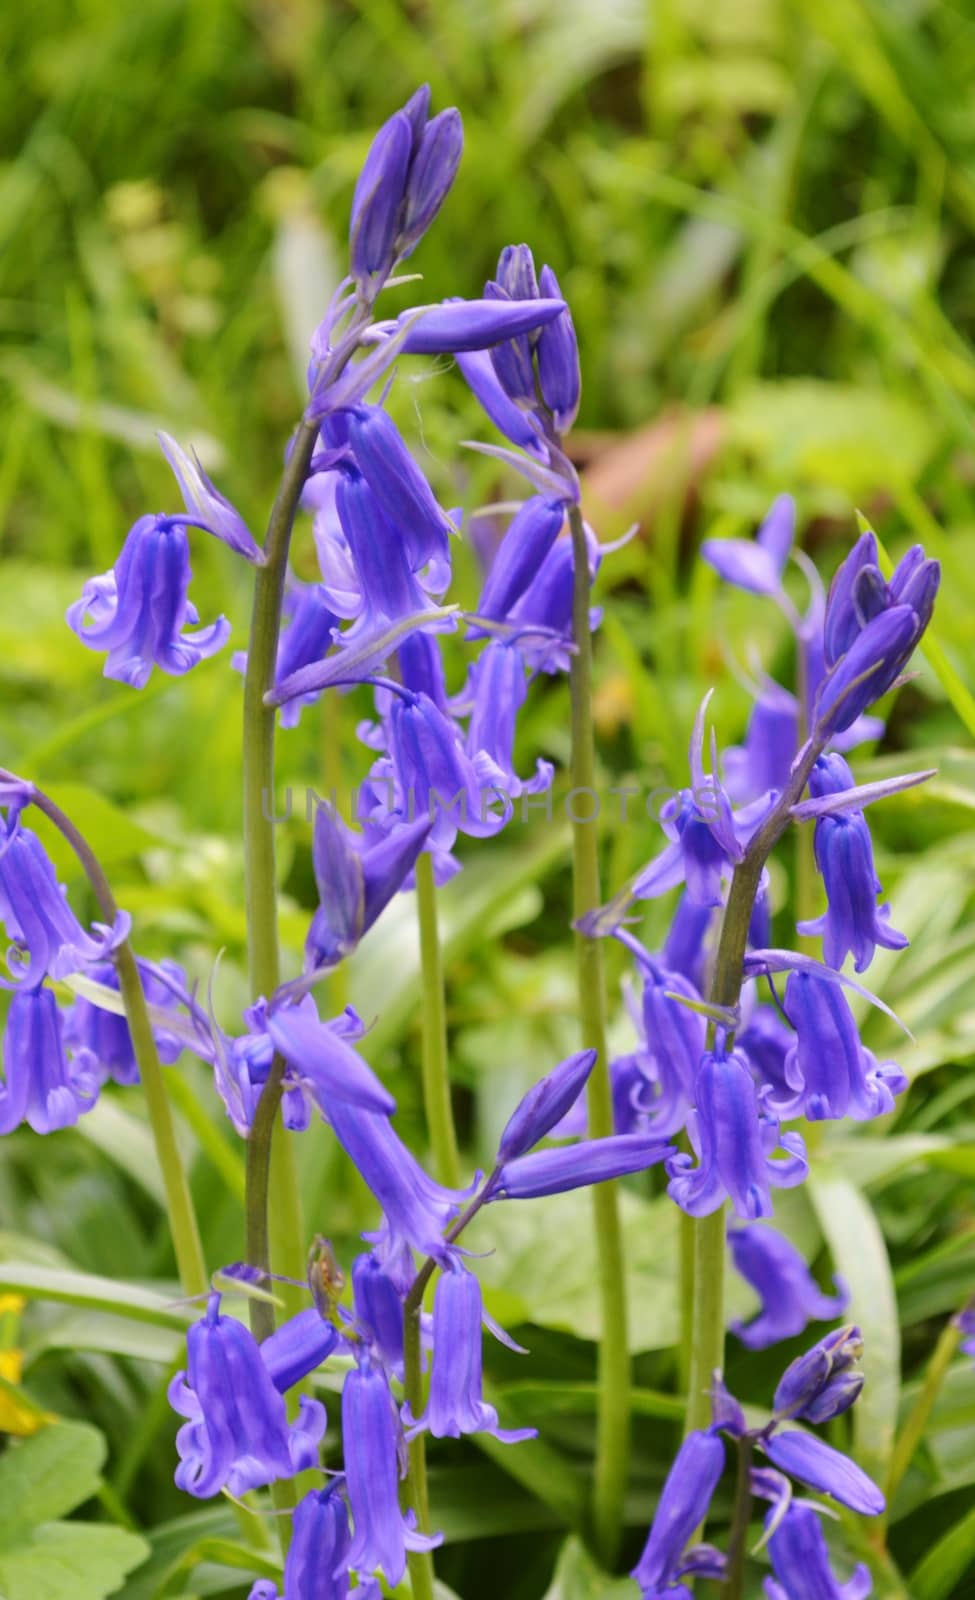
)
(818, 1386)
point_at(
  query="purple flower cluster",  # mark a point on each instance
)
(763, 1065)
(818, 1386)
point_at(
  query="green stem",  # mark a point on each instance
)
(270, 1172)
(415, 1490)
(190, 1262)
(911, 1434)
(740, 1518)
(613, 1410)
(436, 1073)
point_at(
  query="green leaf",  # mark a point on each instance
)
(111, 832)
(47, 1475)
(70, 1561)
(577, 1577)
(88, 1289)
(860, 1254)
(937, 1573)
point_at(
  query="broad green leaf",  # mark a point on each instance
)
(540, 1469)
(945, 1564)
(88, 1289)
(577, 1577)
(526, 1399)
(47, 1475)
(860, 1254)
(70, 1561)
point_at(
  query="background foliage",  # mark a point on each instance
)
(762, 215)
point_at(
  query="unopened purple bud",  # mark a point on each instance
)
(527, 541)
(517, 425)
(296, 1348)
(822, 1384)
(378, 200)
(206, 504)
(465, 325)
(683, 1505)
(544, 1105)
(512, 361)
(575, 1166)
(820, 1467)
(398, 484)
(559, 377)
(842, 623)
(432, 171)
(379, 1309)
(516, 272)
(867, 670)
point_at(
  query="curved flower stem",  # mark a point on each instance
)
(613, 1406)
(707, 1321)
(436, 1073)
(911, 1434)
(190, 1262)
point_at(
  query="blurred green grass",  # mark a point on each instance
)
(766, 209)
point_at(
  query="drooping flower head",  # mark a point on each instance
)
(683, 1506)
(43, 1086)
(790, 1296)
(49, 941)
(138, 610)
(374, 1455)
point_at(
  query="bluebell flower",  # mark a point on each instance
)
(871, 628)
(317, 1564)
(434, 776)
(138, 610)
(297, 1347)
(520, 426)
(576, 1166)
(800, 1561)
(106, 1035)
(683, 1506)
(734, 1145)
(458, 325)
(757, 565)
(704, 832)
(512, 360)
(790, 1297)
(373, 1448)
(852, 922)
(309, 630)
(527, 541)
(206, 506)
(672, 1046)
(545, 1104)
(495, 692)
(43, 1088)
(547, 605)
(379, 1288)
(356, 880)
(237, 1435)
(49, 941)
(399, 486)
(829, 1072)
(820, 1467)
(559, 376)
(404, 181)
(381, 556)
(242, 1064)
(764, 761)
(824, 1381)
(417, 1210)
(456, 1404)
(319, 1057)
(685, 948)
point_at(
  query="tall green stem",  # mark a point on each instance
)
(415, 1491)
(436, 1074)
(268, 1165)
(179, 1202)
(613, 1408)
